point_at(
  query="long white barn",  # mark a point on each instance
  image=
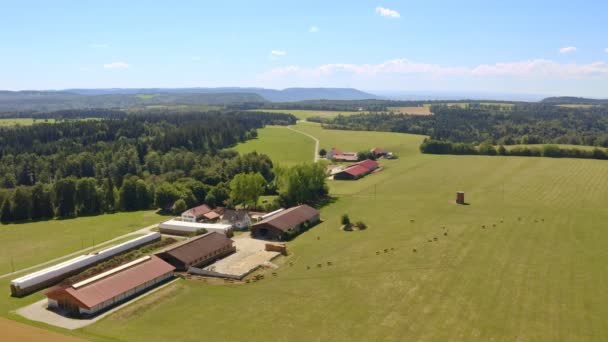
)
(54, 274)
(177, 227)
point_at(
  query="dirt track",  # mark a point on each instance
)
(15, 331)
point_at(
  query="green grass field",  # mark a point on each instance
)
(536, 272)
(281, 144)
(305, 114)
(28, 244)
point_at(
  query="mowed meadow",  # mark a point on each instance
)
(525, 260)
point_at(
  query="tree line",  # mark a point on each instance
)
(552, 151)
(476, 124)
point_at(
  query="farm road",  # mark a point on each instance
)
(316, 158)
(82, 251)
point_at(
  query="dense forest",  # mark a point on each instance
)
(138, 161)
(476, 124)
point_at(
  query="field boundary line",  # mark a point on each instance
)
(316, 157)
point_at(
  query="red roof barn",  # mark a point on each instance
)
(357, 171)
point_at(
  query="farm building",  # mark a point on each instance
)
(55, 274)
(338, 155)
(378, 152)
(176, 227)
(200, 213)
(357, 171)
(198, 251)
(286, 223)
(239, 219)
(107, 289)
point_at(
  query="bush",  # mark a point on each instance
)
(345, 220)
(179, 207)
(361, 225)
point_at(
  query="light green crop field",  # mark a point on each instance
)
(525, 260)
(281, 145)
(305, 114)
(575, 105)
(423, 110)
(23, 121)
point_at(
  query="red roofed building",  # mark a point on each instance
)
(357, 171)
(202, 212)
(378, 152)
(98, 293)
(286, 223)
(337, 154)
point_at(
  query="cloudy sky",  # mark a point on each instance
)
(542, 47)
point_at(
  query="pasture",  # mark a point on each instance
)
(281, 145)
(525, 260)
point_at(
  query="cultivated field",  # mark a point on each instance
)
(23, 121)
(525, 260)
(424, 110)
(535, 272)
(305, 114)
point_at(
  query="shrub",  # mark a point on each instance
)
(361, 225)
(345, 220)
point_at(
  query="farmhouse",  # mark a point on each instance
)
(105, 290)
(378, 152)
(200, 213)
(198, 251)
(357, 171)
(338, 155)
(55, 274)
(239, 219)
(176, 227)
(286, 223)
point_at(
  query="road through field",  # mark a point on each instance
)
(82, 251)
(316, 157)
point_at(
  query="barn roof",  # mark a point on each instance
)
(369, 164)
(193, 249)
(107, 285)
(290, 218)
(356, 170)
(378, 150)
(361, 168)
(199, 211)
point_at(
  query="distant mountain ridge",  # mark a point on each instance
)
(272, 95)
(574, 100)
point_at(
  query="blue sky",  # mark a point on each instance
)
(541, 47)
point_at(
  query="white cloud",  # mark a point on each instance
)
(278, 53)
(387, 12)
(536, 68)
(313, 29)
(606, 49)
(99, 46)
(567, 49)
(116, 65)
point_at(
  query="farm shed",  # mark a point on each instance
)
(285, 223)
(54, 274)
(198, 251)
(176, 227)
(115, 286)
(378, 152)
(239, 219)
(200, 213)
(337, 154)
(357, 171)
